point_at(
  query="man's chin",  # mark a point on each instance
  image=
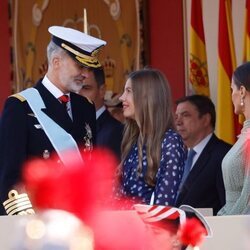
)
(76, 88)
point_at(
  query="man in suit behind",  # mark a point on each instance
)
(108, 129)
(195, 121)
(49, 118)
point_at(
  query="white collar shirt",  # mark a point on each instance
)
(56, 92)
(100, 111)
(199, 148)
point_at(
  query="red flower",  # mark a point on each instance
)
(192, 232)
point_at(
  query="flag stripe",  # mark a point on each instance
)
(226, 54)
(225, 126)
(225, 123)
(196, 19)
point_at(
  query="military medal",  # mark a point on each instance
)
(88, 138)
(46, 154)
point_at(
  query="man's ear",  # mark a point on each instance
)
(207, 119)
(55, 62)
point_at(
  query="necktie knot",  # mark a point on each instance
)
(64, 99)
(191, 155)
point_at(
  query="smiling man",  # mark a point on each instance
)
(195, 121)
(50, 118)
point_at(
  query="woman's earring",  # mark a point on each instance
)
(241, 101)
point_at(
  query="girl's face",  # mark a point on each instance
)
(127, 99)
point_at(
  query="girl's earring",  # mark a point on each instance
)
(241, 101)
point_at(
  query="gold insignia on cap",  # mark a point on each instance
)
(90, 61)
(75, 52)
(95, 52)
(18, 204)
(93, 63)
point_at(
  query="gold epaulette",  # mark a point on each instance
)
(19, 97)
(18, 204)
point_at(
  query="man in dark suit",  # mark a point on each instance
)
(108, 129)
(195, 121)
(49, 118)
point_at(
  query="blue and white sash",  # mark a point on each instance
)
(59, 138)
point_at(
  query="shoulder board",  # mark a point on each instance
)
(19, 97)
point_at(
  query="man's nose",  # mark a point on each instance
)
(85, 72)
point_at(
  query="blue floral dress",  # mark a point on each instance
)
(168, 177)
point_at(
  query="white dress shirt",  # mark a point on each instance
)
(199, 148)
(56, 92)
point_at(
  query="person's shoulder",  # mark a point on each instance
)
(18, 97)
(112, 119)
(15, 100)
(172, 134)
(108, 121)
(172, 137)
(220, 142)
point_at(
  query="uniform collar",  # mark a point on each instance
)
(56, 92)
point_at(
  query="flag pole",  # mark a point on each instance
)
(85, 22)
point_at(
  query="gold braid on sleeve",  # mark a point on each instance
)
(18, 204)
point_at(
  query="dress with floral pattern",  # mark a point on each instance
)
(168, 176)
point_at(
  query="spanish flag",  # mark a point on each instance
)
(246, 52)
(198, 73)
(226, 64)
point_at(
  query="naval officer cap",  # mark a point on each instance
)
(80, 46)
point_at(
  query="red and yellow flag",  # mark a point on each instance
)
(198, 73)
(246, 52)
(226, 64)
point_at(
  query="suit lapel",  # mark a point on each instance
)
(101, 119)
(77, 114)
(199, 165)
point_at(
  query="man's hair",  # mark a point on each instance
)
(53, 49)
(99, 76)
(203, 104)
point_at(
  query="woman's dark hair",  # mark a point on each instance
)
(241, 76)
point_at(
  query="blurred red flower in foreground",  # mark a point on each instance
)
(191, 232)
(85, 190)
(79, 188)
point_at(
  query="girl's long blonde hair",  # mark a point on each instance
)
(153, 116)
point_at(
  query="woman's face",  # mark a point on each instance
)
(127, 99)
(236, 98)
